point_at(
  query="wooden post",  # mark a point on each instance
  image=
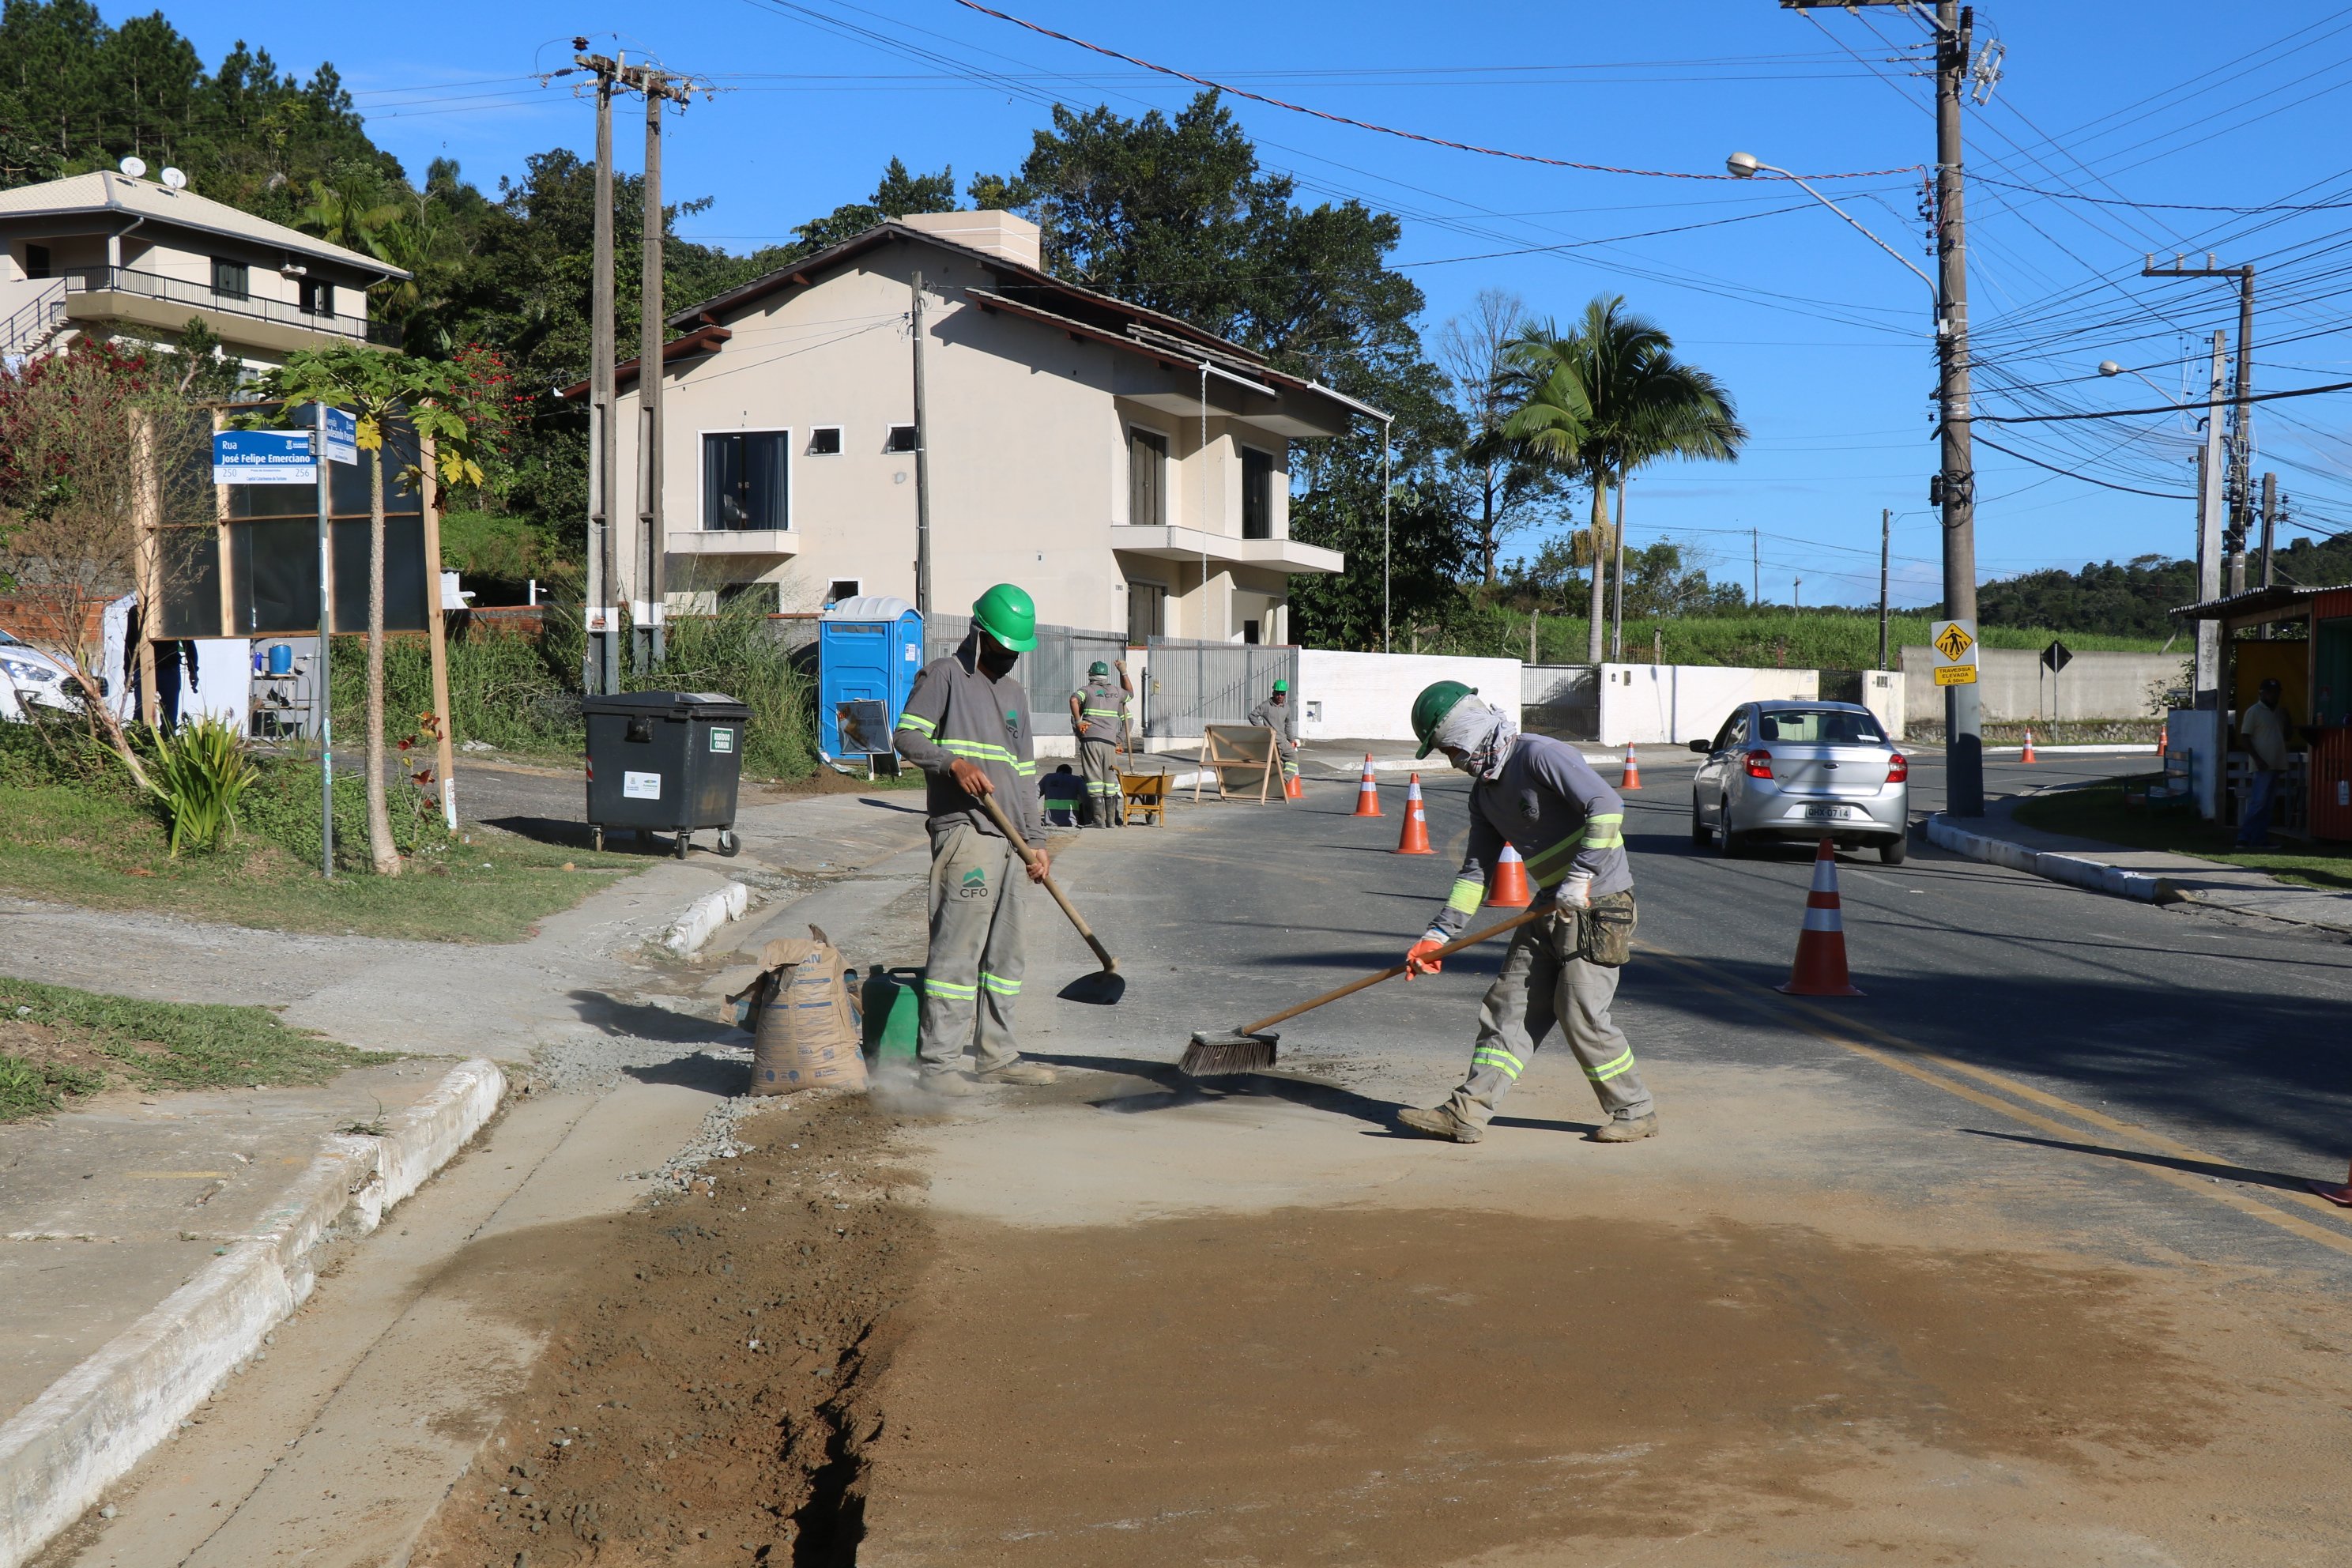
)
(445, 765)
(228, 626)
(146, 518)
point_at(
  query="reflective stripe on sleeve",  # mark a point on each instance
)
(1605, 830)
(918, 723)
(1468, 893)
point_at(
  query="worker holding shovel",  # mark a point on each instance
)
(1541, 797)
(966, 726)
(1099, 715)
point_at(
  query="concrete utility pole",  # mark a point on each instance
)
(2208, 535)
(2238, 489)
(2270, 526)
(600, 660)
(646, 614)
(1755, 566)
(1963, 711)
(922, 462)
(1885, 535)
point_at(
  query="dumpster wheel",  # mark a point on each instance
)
(596, 839)
(729, 845)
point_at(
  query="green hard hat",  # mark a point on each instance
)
(1282, 686)
(1097, 668)
(1007, 614)
(1430, 709)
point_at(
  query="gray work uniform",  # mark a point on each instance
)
(1283, 720)
(1550, 806)
(972, 977)
(1103, 710)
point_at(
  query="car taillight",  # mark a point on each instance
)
(1759, 764)
(1898, 768)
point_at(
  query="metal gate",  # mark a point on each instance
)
(1049, 673)
(1189, 684)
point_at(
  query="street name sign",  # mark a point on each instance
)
(1954, 647)
(2056, 657)
(263, 458)
(342, 435)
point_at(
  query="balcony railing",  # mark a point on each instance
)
(202, 296)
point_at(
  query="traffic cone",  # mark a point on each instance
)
(2029, 758)
(1368, 793)
(1508, 889)
(1291, 788)
(1414, 839)
(2342, 1194)
(1819, 969)
(1633, 779)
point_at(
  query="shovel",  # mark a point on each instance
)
(1215, 1053)
(1105, 986)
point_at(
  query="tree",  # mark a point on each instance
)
(1609, 397)
(898, 195)
(1506, 489)
(375, 387)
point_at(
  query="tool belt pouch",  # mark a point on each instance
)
(1604, 931)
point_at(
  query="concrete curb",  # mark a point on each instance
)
(700, 920)
(88, 1429)
(2105, 749)
(2075, 869)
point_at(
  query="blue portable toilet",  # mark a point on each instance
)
(868, 649)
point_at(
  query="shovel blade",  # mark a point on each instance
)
(1103, 988)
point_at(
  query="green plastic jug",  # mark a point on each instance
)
(893, 1014)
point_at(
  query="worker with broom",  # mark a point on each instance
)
(1277, 714)
(1099, 714)
(966, 726)
(1541, 797)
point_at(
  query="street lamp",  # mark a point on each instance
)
(1747, 166)
(2109, 367)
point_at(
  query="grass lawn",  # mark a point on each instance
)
(57, 1042)
(105, 852)
(2097, 811)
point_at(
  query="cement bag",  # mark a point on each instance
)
(804, 1028)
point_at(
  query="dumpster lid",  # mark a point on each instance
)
(869, 607)
(668, 705)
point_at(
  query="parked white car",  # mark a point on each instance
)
(1787, 771)
(28, 676)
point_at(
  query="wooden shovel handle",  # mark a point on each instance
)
(1349, 989)
(1029, 857)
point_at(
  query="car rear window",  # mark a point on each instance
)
(1822, 727)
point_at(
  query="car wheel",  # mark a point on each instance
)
(1729, 845)
(1701, 834)
(1893, 851)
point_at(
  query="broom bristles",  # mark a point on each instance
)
(1218, 1058)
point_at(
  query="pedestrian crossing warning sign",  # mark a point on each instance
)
(1954, 644)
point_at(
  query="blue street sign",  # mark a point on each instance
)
(342, 435)
(263, 458)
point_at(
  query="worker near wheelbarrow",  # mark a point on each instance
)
(966, 725)
(1099, 714)
(1541, 797)
(1277, 714)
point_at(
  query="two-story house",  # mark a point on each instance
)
(113, 253)
(1126, 468)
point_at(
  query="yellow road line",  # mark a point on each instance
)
(2227, 1195)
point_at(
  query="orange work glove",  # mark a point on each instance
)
(1417, 961)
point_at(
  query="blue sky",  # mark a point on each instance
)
(1824, 339)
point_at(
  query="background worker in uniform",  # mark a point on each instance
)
(1569, 826)
(1277, 714)
(1099, 714)
(966, 725)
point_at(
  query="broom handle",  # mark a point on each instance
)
(1029, 857)
(1349, 989)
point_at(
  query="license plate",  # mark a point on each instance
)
(1828, 813)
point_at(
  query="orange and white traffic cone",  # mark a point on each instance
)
(2342, 1194)
(1368, 793)
(2029, 757)
(1414, 839)
(2164, 737)
(1819, 969)
(1291, 788)
(1633, 779)
(1508, 889)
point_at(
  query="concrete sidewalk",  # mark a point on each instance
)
(2150, 876)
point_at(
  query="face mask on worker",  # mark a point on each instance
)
(1477, 736)
(995, 660)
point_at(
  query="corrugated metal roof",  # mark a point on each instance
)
(107, 190)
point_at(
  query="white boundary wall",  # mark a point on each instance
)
(1668, 704)
(1369, 696)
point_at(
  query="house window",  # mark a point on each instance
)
(1146, 478)
(230, 281)
(825, 441)
(1257, 493)
(744, 476)
(767, 595)
(901, 439)
(842, 588)
(315, 297)
(36, 261)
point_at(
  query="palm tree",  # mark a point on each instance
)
(1607, 397)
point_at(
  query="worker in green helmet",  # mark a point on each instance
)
(1098, 718)
(1542, 798)
(966, 726)
(1277, 714)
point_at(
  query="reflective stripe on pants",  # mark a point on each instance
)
(972, 976)
(1543, 983)
(1099, 761)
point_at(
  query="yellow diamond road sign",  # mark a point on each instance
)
(1954, 642)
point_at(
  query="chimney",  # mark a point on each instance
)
(991, 233)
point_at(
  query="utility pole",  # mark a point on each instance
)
(1886, 533)
(600, 660)
(923, 464)
(2238, 489)
(2270, 525)
(1963, 710)
(2208, 536)
(658, 87)
(1755, 567)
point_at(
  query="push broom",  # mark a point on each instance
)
(1250, 1049)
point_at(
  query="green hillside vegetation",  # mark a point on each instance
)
(1761, 639)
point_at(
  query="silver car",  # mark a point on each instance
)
(1789, 771)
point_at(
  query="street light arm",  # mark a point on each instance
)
(1855, 225)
